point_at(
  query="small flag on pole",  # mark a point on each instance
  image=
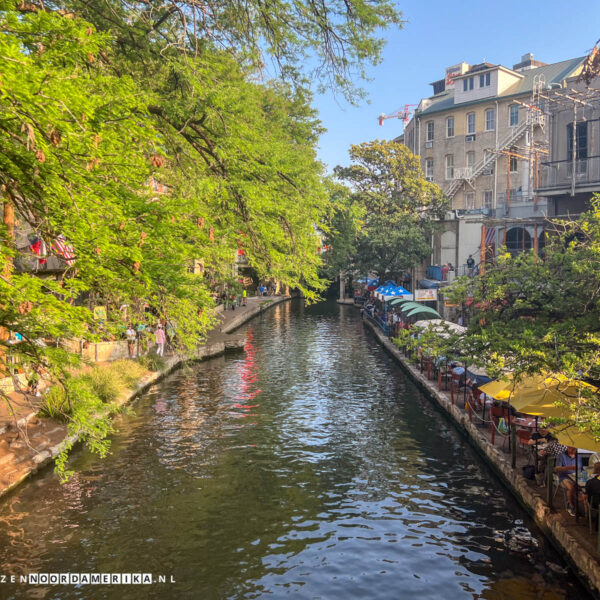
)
(63, 249)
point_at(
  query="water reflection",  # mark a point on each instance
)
(307, 467)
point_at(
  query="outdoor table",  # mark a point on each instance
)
(525, 422)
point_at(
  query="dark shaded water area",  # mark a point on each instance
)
(307, 467)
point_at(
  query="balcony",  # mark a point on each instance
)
(557, 176)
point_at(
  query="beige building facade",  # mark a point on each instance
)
(482, 137)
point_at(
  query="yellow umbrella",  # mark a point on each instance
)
(542, 403)
(509, 390)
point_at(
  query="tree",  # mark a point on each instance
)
(341, 229)
(83, 147)
(145, 137)
(537, 314)
(399, 207)
(325, 41)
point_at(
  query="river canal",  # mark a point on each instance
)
(307, 467)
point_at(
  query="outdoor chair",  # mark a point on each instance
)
(557, 487)
(523, 436)
(592, 514)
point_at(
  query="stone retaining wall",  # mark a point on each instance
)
(585, 564)
(34, 461)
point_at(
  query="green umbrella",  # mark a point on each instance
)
(399, 301)
(410, 305)
(423, 309)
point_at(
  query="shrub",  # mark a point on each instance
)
(105, 383)
(129, 371)
(56, 405)
(152, 362)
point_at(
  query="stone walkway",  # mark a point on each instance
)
(28, 442)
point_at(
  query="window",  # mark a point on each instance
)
(471, 123)
(450, 127)
(488, 79)
(449, 166)
(481, 81)
(469, 200)
(470, 159)
(513, 115)
(430, 131)
(581, 141)
(513, 164)
(429, 168)
(487, 199)
(490, 118)
(465, 85)
(471, 82)
(484, 80)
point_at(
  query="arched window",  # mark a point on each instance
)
(518, 240)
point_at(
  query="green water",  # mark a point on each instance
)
(306, 467)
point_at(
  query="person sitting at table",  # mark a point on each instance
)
(565, 465)
(592, 488)
(541, 436)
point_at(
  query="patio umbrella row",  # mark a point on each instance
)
(545, 396)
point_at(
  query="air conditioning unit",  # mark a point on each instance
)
(470, 137)
(429, 178)
(428, 144)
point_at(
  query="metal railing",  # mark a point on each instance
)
(559, 173)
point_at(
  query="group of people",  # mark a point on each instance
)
(136, 338)
(232, 300)
(567, 463)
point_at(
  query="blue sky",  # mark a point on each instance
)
(439, 34)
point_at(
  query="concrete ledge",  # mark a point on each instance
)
(237, 322)
(585, 564)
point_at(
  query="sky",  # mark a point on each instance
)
(438, 34)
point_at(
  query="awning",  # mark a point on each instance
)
(440, 325)
(406, 307)
(420, 309)
(396, 292)
(402, 301)
(429, 283)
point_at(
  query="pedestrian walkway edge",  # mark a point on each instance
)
(206, 351)
(585, 565)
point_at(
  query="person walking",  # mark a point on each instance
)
(131, 340)
(244, 296)
(470, 265)
(160, 338)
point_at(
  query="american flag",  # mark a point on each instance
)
(63, 249)
(490, 236)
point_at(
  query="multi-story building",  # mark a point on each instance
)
(482, 137)
(570, 175)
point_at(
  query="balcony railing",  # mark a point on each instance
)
(559, 174)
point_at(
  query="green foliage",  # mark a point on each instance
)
(152, 362)
(105, 383)
(542, 314)
(398, 207)
(327, 43)
(103, 103)
(55, 404)
(129, 371)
